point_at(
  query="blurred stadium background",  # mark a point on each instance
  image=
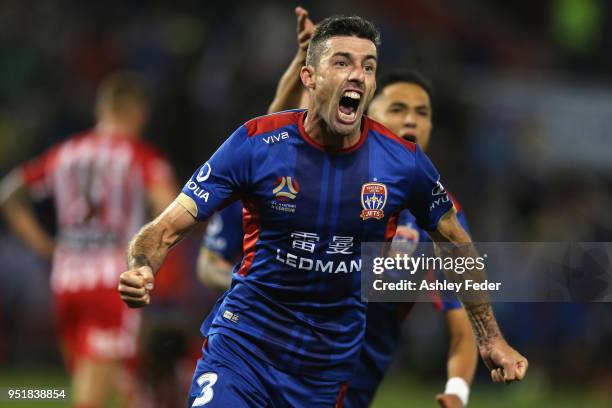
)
(522, 107)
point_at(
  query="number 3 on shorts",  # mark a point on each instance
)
(206, 381)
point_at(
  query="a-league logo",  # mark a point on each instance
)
(286, 188)
(373, 200)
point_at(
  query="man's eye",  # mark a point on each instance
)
(341, 64)
(369, 68)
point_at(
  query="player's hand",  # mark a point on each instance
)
(505, 363)
(404, 242)
(135, 286)
(449, 401)
(304, 28)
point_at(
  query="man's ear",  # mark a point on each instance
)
(307, 75)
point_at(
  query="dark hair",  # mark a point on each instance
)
(339, 26)
(411, 77)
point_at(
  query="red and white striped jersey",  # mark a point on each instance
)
(99, 184)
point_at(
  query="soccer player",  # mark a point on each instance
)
(102, 181)
(402, 104)
(288, 331)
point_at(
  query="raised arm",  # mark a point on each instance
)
(505, 364)
(147, 252)
(290, 93)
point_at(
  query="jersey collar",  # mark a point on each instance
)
(365, 125)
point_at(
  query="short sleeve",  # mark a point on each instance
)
(428, 200)
(224, 233)
(37, 173)
(221, 178)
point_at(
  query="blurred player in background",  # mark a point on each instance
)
(104, 182)
(403, 104)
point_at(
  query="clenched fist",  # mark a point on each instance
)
(135, 286)
(505, 363)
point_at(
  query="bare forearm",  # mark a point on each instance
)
(289, 91)
(20, 217)
(505, 364)
(476, 303)
(150, 246)
(483, 322)
(462, 358)
(452, 241)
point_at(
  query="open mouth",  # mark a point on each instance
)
(409, 137)
(348, 105)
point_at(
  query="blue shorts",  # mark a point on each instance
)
(228, 376)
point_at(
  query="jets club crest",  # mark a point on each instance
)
(373, 200)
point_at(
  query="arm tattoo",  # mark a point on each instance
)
(477, 303)
(483, 322)
(146, 248)
(138, 260)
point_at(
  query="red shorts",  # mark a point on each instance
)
(96, 324)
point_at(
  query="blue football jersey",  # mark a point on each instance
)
(295, 297)
(384, 321)
(224, 233)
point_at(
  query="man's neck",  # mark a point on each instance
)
(116, 129)
(319, 131)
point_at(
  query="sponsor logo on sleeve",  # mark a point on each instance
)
(195, 188)
(198, 191)
(204, 173)
(439, 196)
(438, 202)
(438, 189)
